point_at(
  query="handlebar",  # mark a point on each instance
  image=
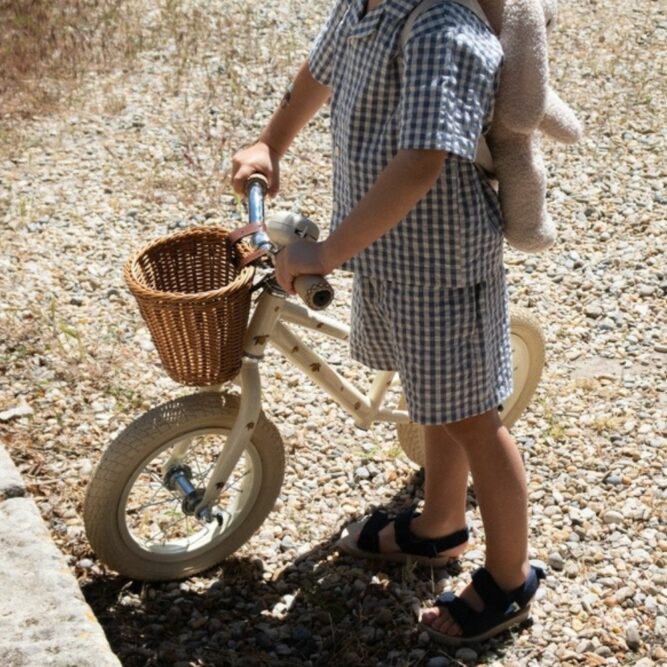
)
(315, 291)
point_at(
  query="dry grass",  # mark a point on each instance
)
(45, 47)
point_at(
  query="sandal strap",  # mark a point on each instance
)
(368, 539)
(460, 611)
(424, 546)
(498, 605)
(496, 599)
(526, 592)
(488, 590)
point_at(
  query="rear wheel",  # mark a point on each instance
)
(527, 362)
(140, 527)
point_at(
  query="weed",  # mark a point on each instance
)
(554, 428)
(126, 399)
(44, 46)
(66, 336)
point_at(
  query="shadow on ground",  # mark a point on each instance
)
(332, 610)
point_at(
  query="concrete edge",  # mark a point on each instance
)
(44, 618)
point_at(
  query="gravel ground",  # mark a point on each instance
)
(141, 152)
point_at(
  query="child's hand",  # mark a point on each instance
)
(297, 259)
(258, 158)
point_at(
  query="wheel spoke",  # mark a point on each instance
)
(136, 510)
(232, 485)
(159, 488)
(171, 523)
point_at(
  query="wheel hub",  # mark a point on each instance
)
(178, 479)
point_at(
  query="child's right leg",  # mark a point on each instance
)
(500, 487)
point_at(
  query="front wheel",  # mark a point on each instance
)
(140, 528)
(527, 362)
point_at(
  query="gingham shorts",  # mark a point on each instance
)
(450, 346)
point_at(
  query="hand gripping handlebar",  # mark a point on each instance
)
(315, 291)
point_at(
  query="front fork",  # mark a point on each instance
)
(264, 318)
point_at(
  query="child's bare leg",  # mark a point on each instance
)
(445, 484)
(500, 487)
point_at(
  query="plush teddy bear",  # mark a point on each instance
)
(525, 107)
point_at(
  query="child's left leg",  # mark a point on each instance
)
(445, 486)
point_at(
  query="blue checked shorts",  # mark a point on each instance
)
(450, 346)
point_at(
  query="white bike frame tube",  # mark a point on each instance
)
(363, 409)
(259, 330)
(301, 316)
(376, 394)
(241, 432)
(340, 389)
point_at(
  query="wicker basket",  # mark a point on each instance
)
(195, 301)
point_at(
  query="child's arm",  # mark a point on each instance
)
(402, 183)
(300, 103)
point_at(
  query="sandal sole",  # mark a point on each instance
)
(347, 544)
(451, 640)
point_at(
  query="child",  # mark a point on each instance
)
(420, 226)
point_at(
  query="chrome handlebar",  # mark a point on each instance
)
(314, 290)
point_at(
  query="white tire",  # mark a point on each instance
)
(527, 343)
(137, 526)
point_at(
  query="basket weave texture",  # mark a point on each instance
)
(195, 301)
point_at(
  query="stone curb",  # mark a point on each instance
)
(44, 618)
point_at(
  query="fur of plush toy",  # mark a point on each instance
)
(526, 107)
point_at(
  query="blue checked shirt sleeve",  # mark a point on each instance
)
(447, 94)
(321, 57)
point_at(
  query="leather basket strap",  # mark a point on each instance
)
(241, 232)
(251, 257)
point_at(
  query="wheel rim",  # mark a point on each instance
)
(520, 371)
(150, 516)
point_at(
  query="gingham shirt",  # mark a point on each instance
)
(442, 100)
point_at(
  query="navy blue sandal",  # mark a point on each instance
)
(501, 610)
(425, 551)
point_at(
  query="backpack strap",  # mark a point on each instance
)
(483, 157)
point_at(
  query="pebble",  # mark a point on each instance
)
(384, 617)
(263, 641)
(624, 593)
(612, 516)
(556, 561)
(613, 480)
(16, 412)
(585, 646)
(359, 585)
(438, 661)
(632, 638)
(197, 623)
(362, 473)
(659, 653)
(283, 649)
(466, 654)
(287, 543)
